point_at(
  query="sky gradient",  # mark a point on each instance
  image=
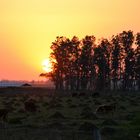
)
(27, 28)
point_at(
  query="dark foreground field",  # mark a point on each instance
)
(63, 117)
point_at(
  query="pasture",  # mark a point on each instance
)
(71, 117)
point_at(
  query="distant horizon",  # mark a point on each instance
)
(12, 80)
(13, 83)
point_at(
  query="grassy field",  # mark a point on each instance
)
(63, 113)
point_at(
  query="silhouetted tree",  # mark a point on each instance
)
(102, 64)
(71, 63)
(116, 61)
(137, 53)
(59, 53)
(86, 63)
(127, 39)
(75, 54)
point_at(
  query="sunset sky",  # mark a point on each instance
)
(27, 28)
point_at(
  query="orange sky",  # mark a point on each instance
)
(27, 28)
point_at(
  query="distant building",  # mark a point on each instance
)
(26, 85)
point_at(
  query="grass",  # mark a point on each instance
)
(70, 112)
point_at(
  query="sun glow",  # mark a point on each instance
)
(47, 66)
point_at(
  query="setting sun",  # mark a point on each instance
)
(47, 67)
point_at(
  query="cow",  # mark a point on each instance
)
(30, 105)
(106, 108)
(82, 94)
(4, 114)
(96, 94)
(74, 94)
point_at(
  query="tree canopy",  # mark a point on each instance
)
(90, 65)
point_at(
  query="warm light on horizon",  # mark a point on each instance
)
(47, 66)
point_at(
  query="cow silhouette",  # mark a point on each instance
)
(106, 108)
(4, 114)
(30, 105)
(96, 94)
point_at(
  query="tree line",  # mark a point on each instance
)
(109, 64)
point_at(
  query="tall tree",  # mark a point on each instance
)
(115, 61)
(137, 54)
(86, 60)
(75, 55)
(72, 64)
(102, 64)
(59, 53)
(127, 39)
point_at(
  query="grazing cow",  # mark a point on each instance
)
(82, 94)
(96, 94)
(106, 108)
(74, 94)
(30, 106)
(4, 114)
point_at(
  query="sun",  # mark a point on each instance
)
(47, 66)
